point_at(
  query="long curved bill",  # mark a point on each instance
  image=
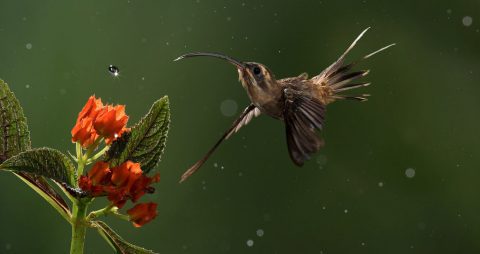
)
(235, 62)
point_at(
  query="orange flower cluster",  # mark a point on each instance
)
(142, 213)
(120, 184)
(96, 120)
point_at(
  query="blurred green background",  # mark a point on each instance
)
(353, 197)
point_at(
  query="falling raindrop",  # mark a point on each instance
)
(410, 172)
(260, 232)
(114, 71)
(228, 107)
(467, 21)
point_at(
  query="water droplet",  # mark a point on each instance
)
(260, 232)
(215, 165)
(114, 71)
(345, 211)
(27, 86)
(28, 46)
(449, 11)
(228, 107)
(380, 184)
(249, 242)
(410, 172)
(467, 21)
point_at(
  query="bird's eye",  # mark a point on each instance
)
(257, 71)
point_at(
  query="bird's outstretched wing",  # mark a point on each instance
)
(303, 116)
(241, 121)
(338, 76)
(245, 119)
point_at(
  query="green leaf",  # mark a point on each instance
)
(117, 242)
(15, 138)
(46, 192)
(146, 141)
(14, 134)
(45, 162)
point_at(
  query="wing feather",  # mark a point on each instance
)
(338, 75)
(245, 120)
(242, 120)
(303, 116)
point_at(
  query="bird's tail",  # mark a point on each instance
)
(340, 77)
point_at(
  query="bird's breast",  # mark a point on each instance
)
(269, 104)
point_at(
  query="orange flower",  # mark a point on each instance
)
(91, 108)
(142, 186)
(142, 213)
(85, 183)
(94, 181)
(84, 131)
(96, 120)
(110, 122)
(99, 172)
(126, 174)
(120, 184)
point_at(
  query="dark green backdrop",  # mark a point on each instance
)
(353, 197)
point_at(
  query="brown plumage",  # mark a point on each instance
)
(297, 101)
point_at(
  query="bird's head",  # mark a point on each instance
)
(254, 76)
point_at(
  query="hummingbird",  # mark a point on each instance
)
(299, 102)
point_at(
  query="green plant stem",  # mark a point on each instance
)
(102, 212)
(98, 155)
(121, 216)
(79, 227)
(82, 159)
